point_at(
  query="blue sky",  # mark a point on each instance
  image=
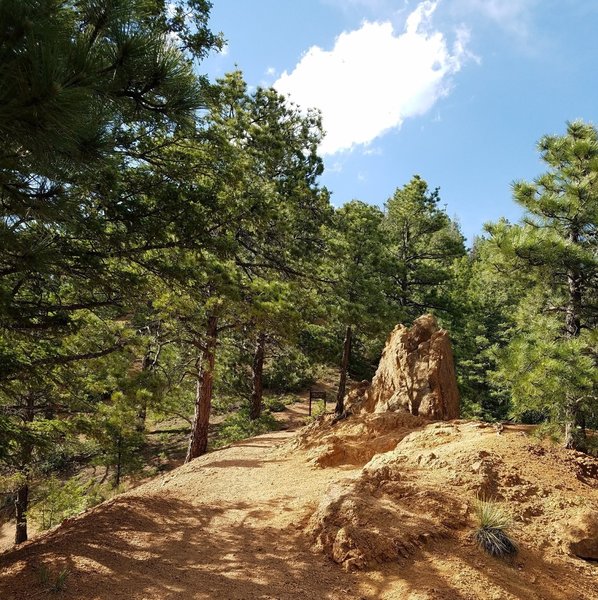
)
(457, 91)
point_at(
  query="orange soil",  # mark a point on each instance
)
(233, 525)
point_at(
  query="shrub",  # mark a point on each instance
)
(57, 500)
(491, 532)
(290, 371)
(551, 431)
(239, 426)
(278, 403)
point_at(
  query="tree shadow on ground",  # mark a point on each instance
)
(431, 575)
(162, 547)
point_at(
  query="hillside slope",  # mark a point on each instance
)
(261, 520)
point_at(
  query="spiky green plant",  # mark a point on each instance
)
(60, 580)
(491, 532)
(52, 582)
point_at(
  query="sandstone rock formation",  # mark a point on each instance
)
(416, 374)
(354, 441)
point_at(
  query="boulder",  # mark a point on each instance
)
(416, 374)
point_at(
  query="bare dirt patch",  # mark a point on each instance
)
(259, 521)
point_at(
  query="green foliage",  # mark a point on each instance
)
(279, 402)
(548, 430)
(115, 429)
(422, 243)
(57, 500)
(290, 370)
(487, 298)
(549, 365)
(238, 426)
(491, 533)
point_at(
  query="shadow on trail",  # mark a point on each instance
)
(158, 547)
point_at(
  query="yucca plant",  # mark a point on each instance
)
(52, 582)
(491, 532)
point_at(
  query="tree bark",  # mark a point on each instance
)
(21, 506)
(198, 441)
(22, 496)
(257, 391)
(575, 431)
(575, 427)
(146, 365)
(340, 398)
(119, 460)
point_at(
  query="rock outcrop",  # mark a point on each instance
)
(416, 374)
(356, 440)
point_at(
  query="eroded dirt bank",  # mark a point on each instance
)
(259, 520)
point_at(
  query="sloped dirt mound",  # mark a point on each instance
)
(424, 490)
(355, 440)
(374, 520)
(231, 525)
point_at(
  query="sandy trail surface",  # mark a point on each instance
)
(232, 525)
(228, 525)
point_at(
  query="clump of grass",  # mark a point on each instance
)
(491, 532)
(52, 582)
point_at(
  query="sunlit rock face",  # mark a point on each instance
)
(416, 374)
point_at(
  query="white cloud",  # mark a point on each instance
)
(270, 71)
(373, 78)
(512, 15)
(372, 151)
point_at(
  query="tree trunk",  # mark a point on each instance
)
(257, 391)
(575, 427)
(198, 441)
(22, 497)
(340, 399)
(146, 365)
(21, 506)
(575, 430)
(119, 461)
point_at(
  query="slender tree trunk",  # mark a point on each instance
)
(21, 506)
(575, 427)
(146, 365)
(119, 460)
(198, 441)
(22, 496)
(257, 391)
(340, 399)
(575, 431)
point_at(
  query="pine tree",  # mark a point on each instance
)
(552, 359)
(422, 244)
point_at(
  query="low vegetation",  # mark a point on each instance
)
(493, 523)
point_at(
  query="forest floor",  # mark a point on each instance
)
(240, 522)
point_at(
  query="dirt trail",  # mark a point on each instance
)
(231, 525)
(227, 525)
